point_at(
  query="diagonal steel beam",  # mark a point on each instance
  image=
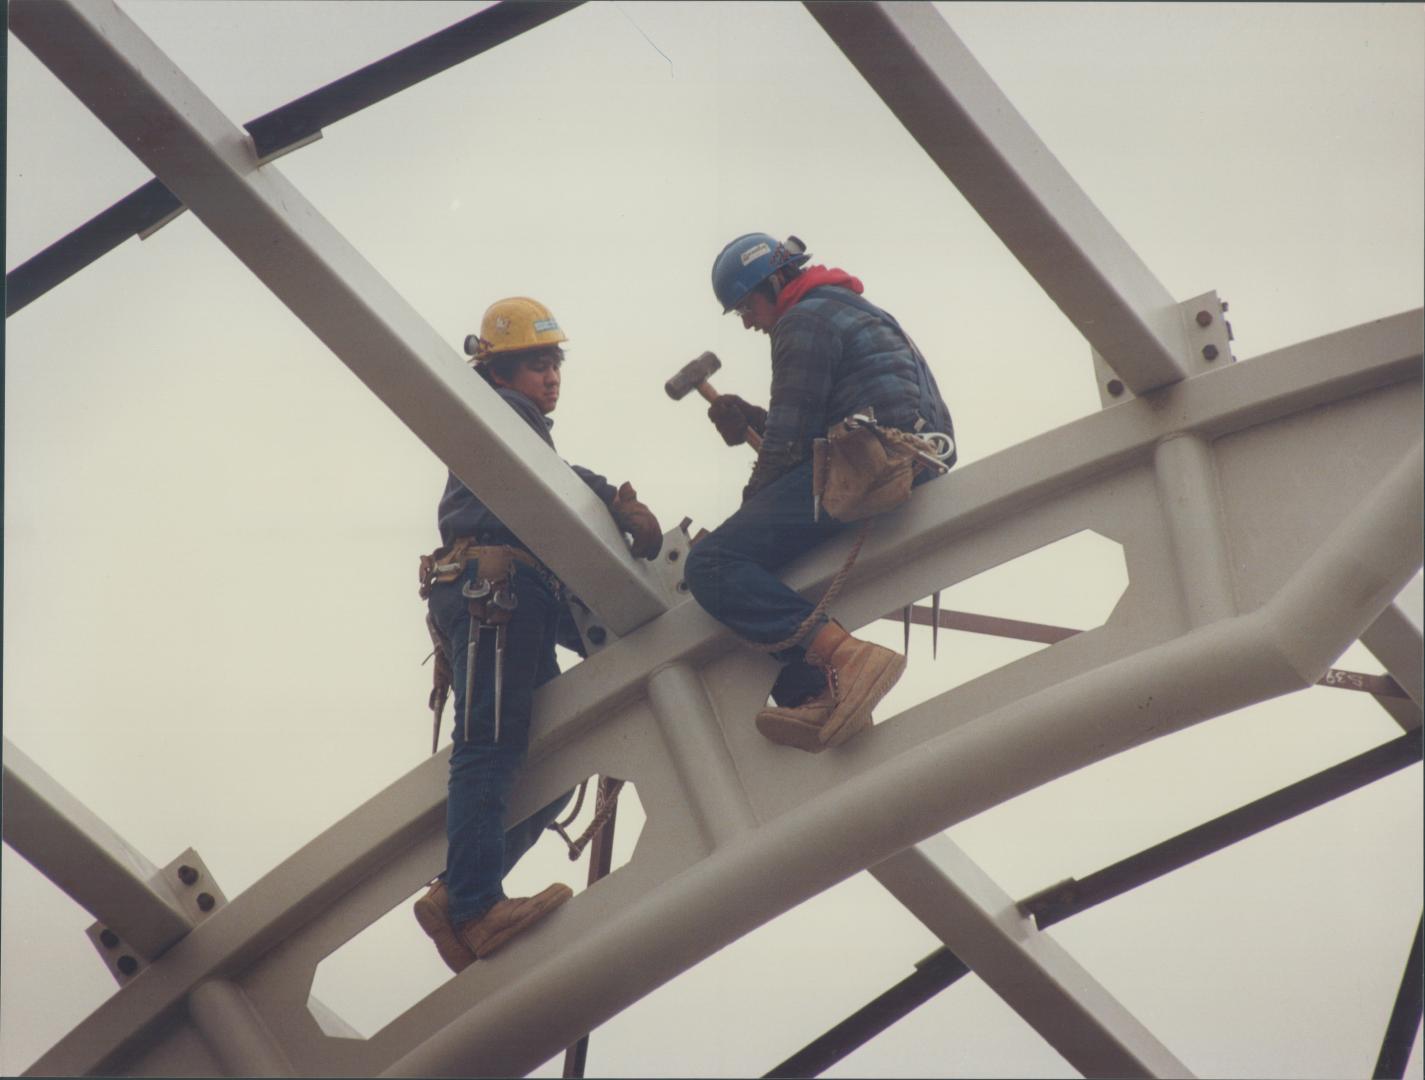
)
(1033, 973)
(942, 968)
(72, 847)
(951, 106)
(297, 121)
(1404, 1016)
(1073, 896)
(137, 211)
(278, 131)
(132, 87)
(1395, 640)
(932, 974)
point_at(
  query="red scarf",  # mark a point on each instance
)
(810, 278)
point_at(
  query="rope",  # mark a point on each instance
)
(832, 590)
(604, 808)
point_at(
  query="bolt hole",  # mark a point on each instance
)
(1209, 352)
(1115, 387)
(205, 901)
(682, 586)
(187, 875)
(108, 938)
(127, 965)
(673, 555)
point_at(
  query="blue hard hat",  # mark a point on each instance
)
(750, 260)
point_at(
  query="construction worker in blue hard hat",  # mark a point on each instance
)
(496, 613)
(833, 354)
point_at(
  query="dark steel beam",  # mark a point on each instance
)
(931, 975)
(1073, 896)
(942, 968)
(299, 120)
(969, 622)
(1404, 1018)
(139, 210)
(282, 129)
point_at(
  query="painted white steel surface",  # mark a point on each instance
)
(946, 100)
(739, 831)
(686, 892)
(72, 847)
(982, 925)
(209, 163)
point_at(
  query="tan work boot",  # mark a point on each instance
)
(490, 931)
(859, 674)
(433, 913)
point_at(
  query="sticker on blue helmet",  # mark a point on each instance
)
(756, 251)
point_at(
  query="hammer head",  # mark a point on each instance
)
(692, 373)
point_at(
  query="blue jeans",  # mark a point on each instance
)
(483, 772)
(731, 572)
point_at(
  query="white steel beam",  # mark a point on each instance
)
(949, 103)
(982, 925)
(210, 164)
(72, 847)
(236, 1033)
(655, 918)
(872, 814)
(1395, 640)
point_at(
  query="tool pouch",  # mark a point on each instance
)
(441, 673)
(497, 563)
(862, 469)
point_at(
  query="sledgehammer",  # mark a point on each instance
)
(695, 375)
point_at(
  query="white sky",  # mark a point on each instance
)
(211, 632)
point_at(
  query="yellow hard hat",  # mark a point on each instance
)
(512, 325)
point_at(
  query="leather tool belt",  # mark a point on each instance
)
(496, 563)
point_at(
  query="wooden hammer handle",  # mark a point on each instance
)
(705, 388)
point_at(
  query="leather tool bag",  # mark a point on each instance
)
(862, 469)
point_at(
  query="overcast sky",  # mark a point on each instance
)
(211, 633)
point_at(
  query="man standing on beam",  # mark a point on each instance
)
(496, 613)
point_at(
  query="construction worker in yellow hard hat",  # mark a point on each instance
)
(496, 612)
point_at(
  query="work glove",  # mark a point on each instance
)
(732, 417)
(638, 521)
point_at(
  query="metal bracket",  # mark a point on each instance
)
(1209, 336)
(194, 892)
(666, 570)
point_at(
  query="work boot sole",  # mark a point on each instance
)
(432, 917)
(530, 912)
(853, 713)
(790, 731)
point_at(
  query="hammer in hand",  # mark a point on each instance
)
(695, 375)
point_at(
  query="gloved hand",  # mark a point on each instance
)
(638, 521)
(732, 417)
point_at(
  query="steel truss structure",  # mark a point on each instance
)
(1230, 602)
